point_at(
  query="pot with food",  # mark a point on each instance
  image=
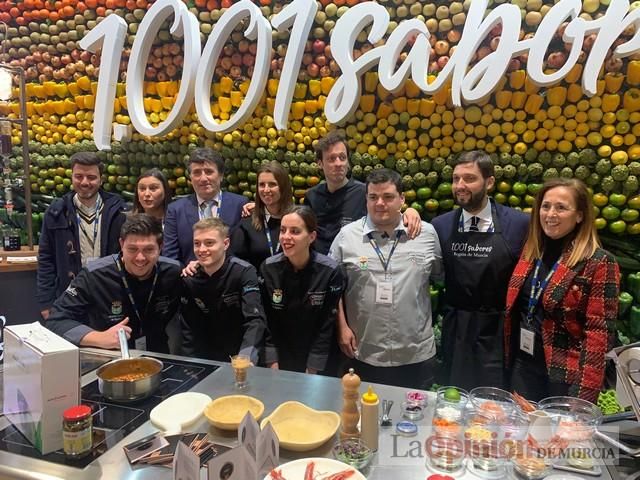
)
(129, 379)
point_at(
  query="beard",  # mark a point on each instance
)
(473, 203)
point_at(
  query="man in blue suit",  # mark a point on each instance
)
(206, 168)
(481, 243)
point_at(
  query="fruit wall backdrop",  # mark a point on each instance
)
(533, 134)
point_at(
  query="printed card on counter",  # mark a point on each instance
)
(248, 433)
(186, 464)
(267, 450)
(236, 464)
(145, 446)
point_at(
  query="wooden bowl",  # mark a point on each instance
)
(300, 428)
(226, 413)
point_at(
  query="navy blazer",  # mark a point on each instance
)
(183, 214)
(514, 223)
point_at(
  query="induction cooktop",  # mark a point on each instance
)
(111, 421)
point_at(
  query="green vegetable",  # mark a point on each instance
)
(452, 395)
(634, 320)
(625, 300)
(435, 294)
(633, 285)
(608, 402)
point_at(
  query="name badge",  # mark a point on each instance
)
(141, 343)
(384, 292)
(527, 338)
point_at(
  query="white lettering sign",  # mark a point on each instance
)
(470, 84)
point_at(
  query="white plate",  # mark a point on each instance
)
(179, 411)
(325, 466)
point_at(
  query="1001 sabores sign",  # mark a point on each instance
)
(471, 84)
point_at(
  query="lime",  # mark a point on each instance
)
(452, 395)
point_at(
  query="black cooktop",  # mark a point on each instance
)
(111, 421)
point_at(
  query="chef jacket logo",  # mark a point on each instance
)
(116, 307)
(316, 298)
(363, 263)
(200, 304)
(277, 296)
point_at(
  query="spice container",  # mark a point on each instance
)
(417, 397)
(77, 434)
(412, 411)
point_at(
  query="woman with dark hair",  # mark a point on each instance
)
(562, 300)
(256, 237)
(152, 195)
(300, 291)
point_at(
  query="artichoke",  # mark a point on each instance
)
(550, 173)
(620, 173)
(535, 169)
(603, 167)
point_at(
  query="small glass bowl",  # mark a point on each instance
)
(354, 452)
(574, 419)
(417, 397)
(530, 467)
(491, 400)
(412, 411)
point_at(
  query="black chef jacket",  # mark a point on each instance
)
(336, 209)
(222, 314)
(97, 299)
(301, 310)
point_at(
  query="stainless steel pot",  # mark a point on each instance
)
(145, 376)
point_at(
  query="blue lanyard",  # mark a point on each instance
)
(385, 261)
(269, 241)
(537, 288)
(127, 289)
(461, 225)
(96, 222)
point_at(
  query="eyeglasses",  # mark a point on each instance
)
(558, 207)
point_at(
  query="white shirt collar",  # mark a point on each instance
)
(216, 199)
(370, 227)
(484, 215)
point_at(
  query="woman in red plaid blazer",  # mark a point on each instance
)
(562, 299)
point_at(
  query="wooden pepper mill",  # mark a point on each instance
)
(350, 413)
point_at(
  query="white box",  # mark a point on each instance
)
(41, 380)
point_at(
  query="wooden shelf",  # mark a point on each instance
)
(8, 266)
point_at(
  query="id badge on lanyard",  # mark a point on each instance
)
(384, 288)
(538, 286)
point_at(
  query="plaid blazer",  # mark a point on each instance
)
(580, 308)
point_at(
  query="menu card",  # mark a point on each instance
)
(248, 433)
(267, 450)
(236, 464)
(186, 464)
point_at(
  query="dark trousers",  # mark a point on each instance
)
(414, 375)
(529, 375)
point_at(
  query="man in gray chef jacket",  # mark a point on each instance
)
(481, 243)
(385, 328)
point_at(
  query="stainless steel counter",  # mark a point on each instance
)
(397, 458)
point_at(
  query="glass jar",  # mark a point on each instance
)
(77, 431)
(445, 447)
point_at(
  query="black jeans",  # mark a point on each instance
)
(414, 375)
(529, 375)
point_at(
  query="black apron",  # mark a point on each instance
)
(478, 266)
